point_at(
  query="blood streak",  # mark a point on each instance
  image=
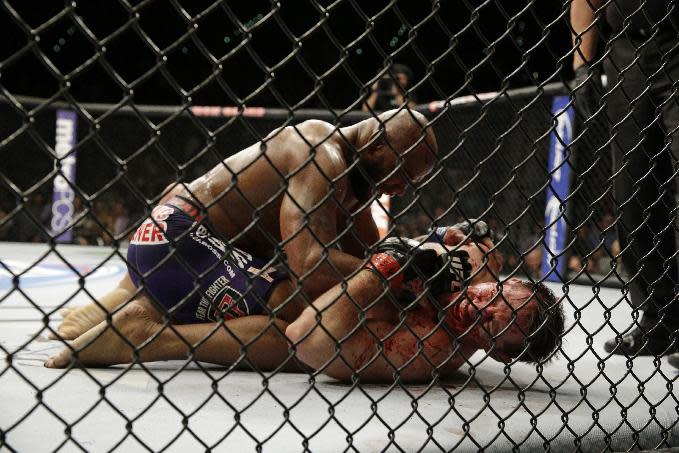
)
(400, 347)
(405, 344)
(366, 352)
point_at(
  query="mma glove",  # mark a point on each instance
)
(475, 229)
(408, 266)
(587, 88)
(457, 270)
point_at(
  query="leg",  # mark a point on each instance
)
(78, 320)
(101, 345)
(670, 116)
(258, 338)
(642, 169)
(635, 142)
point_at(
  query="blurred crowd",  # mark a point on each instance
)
(593, 246)
(106, 219)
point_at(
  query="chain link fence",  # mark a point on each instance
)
(258, 238)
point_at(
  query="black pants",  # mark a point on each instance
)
(643, 110)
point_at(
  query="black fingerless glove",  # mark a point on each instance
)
(402, 260)
(456, 270)
(411, 268)
(475, 229)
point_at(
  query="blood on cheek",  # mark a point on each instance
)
(405, 344)
(466, 332)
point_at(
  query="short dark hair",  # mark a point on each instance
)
(543, 341)
(398, 68)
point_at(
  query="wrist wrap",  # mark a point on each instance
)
(387, 266)
(437, 235)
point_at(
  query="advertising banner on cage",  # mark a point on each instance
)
(558, 190)
(63, 195)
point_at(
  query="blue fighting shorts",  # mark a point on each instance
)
(192, 273)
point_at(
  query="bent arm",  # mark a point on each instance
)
(585, 35)
(334, 337)
(308, 222)
(361, 235)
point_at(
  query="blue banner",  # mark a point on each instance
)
(553, 263)
(63, 196)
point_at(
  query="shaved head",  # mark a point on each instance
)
(396, 149)
(405, 130)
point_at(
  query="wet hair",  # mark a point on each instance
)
(544, 337)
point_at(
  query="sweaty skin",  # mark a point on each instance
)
(296, 187)
(306, 187)
(139, 322)
(420, 346)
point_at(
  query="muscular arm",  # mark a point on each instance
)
(308, 222)
(582, 16)
(412, 352)
(361, 235)
(258, 337)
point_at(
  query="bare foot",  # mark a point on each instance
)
(102, 345)
(77, 320)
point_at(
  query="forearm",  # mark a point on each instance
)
(334, 337)
(585, 35)
(252, 341)
(359, 233)
(319, 270)
(328, 325)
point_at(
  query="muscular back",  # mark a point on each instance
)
(244, 193)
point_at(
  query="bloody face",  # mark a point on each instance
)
(489, 316)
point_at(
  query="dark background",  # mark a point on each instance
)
(300, 54)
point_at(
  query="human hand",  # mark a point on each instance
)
(475, 230)
(588, 89)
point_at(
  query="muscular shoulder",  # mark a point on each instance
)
(318, 139)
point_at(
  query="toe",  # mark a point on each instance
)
(65, 312)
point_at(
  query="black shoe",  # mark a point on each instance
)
(673, 359)
(650, 338)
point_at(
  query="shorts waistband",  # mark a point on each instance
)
(187, 205)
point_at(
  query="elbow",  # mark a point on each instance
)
(311, 274)
(303, 342)
(294, 333)
(311, 261)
